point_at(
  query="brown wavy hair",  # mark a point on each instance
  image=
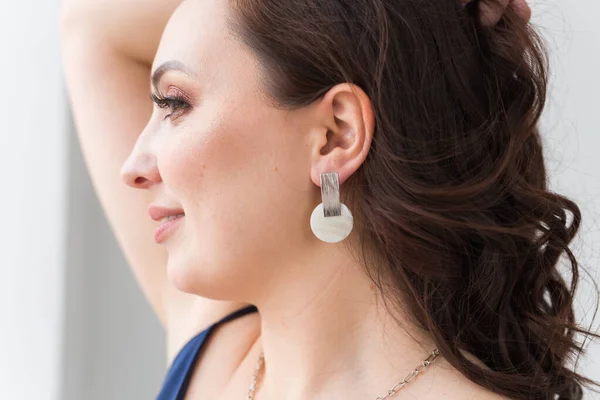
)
(453, 197)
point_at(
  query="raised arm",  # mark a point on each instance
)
(107, 50)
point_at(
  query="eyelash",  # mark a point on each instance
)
(174, 103)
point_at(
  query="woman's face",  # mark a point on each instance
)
(236, 166)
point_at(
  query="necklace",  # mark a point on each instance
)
(407, 379)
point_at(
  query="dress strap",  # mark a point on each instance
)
(178, 376)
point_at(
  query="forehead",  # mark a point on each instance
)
(196, 35)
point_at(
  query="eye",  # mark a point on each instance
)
(176, 104)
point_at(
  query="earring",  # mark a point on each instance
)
(331, 221)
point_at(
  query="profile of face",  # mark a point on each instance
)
(243, 172)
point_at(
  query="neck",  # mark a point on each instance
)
(331, 334)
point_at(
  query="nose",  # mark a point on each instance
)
(140, 170)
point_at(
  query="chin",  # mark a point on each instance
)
(205, 279)
(181, 278)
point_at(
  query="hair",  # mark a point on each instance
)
(453, 196)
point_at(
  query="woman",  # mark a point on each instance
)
(367, 173)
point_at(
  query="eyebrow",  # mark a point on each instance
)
(165, 67)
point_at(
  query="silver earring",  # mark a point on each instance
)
(331, 221)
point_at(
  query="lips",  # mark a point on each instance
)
(158, 213)
(169, 219)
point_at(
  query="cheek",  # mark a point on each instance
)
(181, 165)
(247, 195)
(221, 174)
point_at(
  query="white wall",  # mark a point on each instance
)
(73, 324)
(32, 139)
(571, 128)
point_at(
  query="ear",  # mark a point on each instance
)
(344, 132)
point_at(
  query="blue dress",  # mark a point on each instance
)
(178, 377)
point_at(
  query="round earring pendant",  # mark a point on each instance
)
(331, 229)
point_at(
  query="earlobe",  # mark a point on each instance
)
(347, 126)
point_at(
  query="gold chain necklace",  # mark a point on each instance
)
(407, 379)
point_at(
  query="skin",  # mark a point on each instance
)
(490, 12)
(246, 174)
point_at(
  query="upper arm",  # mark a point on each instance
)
(108, 47)
(109, 98)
